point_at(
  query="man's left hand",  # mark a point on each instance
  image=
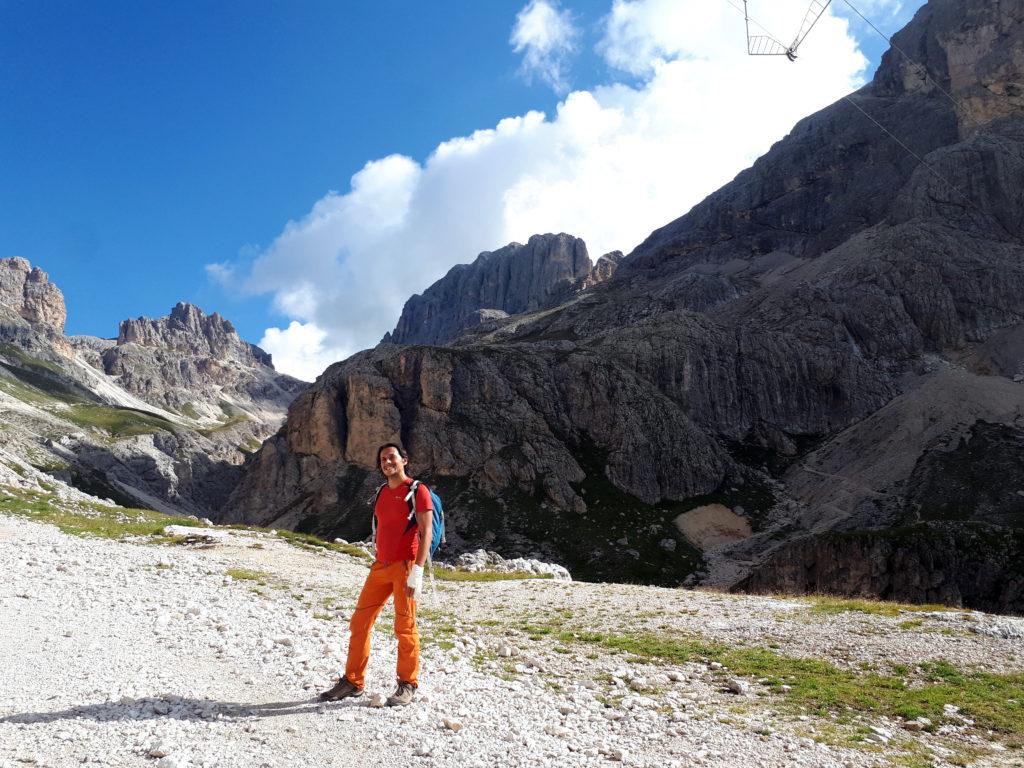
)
(414, 581)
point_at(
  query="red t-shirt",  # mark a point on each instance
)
(396, 540)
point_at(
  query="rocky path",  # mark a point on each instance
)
(130, 654)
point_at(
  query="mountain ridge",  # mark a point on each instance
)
(738, 344)
(162, 416)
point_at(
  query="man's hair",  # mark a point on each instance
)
(401, 452)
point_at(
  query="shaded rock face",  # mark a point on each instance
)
(27, 290)
(781, 349)
(955, 534)
(976, 476)
(949, 564)
(514, 279)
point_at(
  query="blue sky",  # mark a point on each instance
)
(142, 142)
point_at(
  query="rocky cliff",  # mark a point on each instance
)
(197, 365)
(27, 290)
(790, 349)
(161, 417)
(509, 281)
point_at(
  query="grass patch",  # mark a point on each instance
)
(223, 426)
(40, 380)
(24, 392)
(992, 701)
(911, 623)
(120, 422)
(85, 518)
(233, 416)
(441, 573)
(247, 574)
(831, 606)
(308, 541)
(189, 411)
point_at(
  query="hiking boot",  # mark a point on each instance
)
(403, 695)
(342, 690)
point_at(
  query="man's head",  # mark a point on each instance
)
(392, 459)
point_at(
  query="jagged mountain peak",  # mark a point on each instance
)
(27, 291)
(511, 280)
(187, 329)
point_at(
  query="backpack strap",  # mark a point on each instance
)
(372, 503)
(410, 499)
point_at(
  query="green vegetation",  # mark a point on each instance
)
(36, 381)
(992, 701)
(247, 574)
(44, 385)
(911, 623)
(23, 392)
(454, 574)
(189, 411)
(249, 445)
(120, 422)
(232, 417)
(93, 519)
(830, 606)
(308, 541)
(86, 518)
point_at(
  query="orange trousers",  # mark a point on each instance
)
(383, 581)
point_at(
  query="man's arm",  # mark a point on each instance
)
(425, 528)
(425, 523)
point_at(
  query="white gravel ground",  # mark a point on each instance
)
(124, 654)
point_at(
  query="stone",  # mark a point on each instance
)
(514, 279)
(160, 749)
(28, 291)
(738, 686)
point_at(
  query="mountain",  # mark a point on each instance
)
(28, 292)
(194, 364)
(804, 383)
(512, 280)
(161, 417)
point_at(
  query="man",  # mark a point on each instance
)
(402, 550)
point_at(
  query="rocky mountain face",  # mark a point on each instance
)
(197, 365)
(509, 281)
(161, 417)
(29, 292)
(811, 350)
(32, 310)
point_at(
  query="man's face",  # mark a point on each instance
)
(391, 462)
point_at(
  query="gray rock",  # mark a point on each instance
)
(514, 279)
(27, 290)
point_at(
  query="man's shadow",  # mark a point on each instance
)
(177, 708)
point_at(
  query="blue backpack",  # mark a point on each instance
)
(437, 534)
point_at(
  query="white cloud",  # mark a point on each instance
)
(300, 350)
(610, 165)
(222, 273)
(546, 37)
